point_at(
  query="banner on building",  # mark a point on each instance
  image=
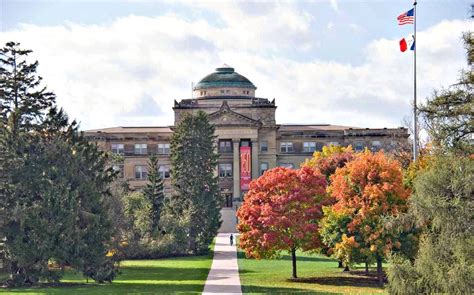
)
(245, 167)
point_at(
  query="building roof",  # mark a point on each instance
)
(325, 127)
(224, 76)
(138, 129)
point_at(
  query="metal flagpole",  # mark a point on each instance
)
(415, 117)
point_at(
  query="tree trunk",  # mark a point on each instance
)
(293, 258)
(346, 268)
(379, 271)
(340, 264)
(366, 268)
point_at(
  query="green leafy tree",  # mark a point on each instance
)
(193, 160)
(138, 208)
(53, 183)
(154, 192)
(449, 112)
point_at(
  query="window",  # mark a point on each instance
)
(227, 91)
(118, 168)
(163, 148)
(117, 148)
(319, 146)
(376, 145)
(263, 167)
(264, 146)
(286, 147)
(164, 171)
(222, 91)
(140, 172)
(359, 146)
(225, 170)
(225, 146)
(309, 147)
(140, 149)
(287, 165)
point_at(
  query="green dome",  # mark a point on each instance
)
(224, 76)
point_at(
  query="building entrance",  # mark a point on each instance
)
(227, 200)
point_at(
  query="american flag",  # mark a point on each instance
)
(406, 17)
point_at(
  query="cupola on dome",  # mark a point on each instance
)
(224, 76)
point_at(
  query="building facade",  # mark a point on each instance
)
(249, 140)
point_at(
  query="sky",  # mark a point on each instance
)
(123, 63)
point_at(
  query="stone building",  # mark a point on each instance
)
(249, 139)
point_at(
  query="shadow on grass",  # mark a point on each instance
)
(345, 281)
(133, 279)
(162, 274)
(119, 288)
(241, 254)
(114, 288)
(279, 290)
(307, 258)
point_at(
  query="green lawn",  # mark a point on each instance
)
(317, 275)
(172, 275)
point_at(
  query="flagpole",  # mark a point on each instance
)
(415, 117)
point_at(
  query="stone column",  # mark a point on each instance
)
(255, 166)
(236, 169)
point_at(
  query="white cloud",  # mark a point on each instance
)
(106, 75)
(334, 5)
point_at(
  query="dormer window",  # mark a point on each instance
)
(227, 91)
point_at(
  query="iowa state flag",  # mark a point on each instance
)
(406, 43)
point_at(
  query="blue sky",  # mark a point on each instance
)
(324, 61)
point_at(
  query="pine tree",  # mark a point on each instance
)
(194, 159)
(442, 202)
(54, 188)
(23, 101)
(449, 113)
(154, 191)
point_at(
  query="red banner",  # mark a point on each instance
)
(245, 167)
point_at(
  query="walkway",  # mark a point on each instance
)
(224, 275)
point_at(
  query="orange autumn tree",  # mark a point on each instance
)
(280, 212)
(329, 159)
(331, 226)
(369, 189)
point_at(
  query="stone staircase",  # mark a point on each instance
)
(229, 221)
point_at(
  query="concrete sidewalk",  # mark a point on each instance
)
(224, 275)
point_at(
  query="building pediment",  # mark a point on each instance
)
(226, 116)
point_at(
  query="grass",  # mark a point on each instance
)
(317, 275)
(172, 275)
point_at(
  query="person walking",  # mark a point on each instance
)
(231, 239)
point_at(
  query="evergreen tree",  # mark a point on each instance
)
(23, 100)
(194, 159)
(53, 189)
(449, 113)
(443, 202)
(154, 191)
